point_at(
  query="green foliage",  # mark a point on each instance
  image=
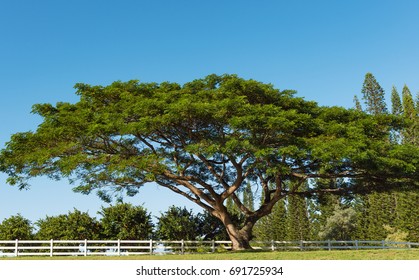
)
(248, 198)
(407, 214)
(178, 224)
(75, 225)
(396, 103)
(272, 226)
(16, 227)
(206, 139)
(323, 206)
(411, 132)
(395, 234)
(298, 224)
(340, 226)
(373, 95)
(125, 221)
(358, 106)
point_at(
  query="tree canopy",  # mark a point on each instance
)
(178, 224)
(16, 227)
(206, 140)
(125, 221)
(75, 225)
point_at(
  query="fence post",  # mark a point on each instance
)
(383, 244)
(182, 247)
(85, 247)
(329, 245)
(273, 245)
(151, 246)
(356, 244)
(301, 245)
(17, 248)
(119, 247)
(51, 248)
(213, 246)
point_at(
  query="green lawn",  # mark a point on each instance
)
(378, 254)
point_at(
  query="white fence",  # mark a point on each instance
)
(51, 248)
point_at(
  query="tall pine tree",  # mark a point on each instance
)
(396, 103)
(407, 210)
(248, 198)
(271, 227)
(410, 134)
(373, 95)
(298, 224)
(378, 208)
(358, 106)
(396, 110)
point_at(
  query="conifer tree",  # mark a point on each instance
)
(271, 227)
(396, 103)
(410, 134)
(373, 95)
(407, 214)
(397, 110)
(407, 210)
(358, 106)
(298, 223)
(248, 198)
(378, 207)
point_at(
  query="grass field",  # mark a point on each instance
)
(399, 254)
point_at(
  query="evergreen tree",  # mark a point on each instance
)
(248, 198)
(298, 224)
(396, 103)
(407, 210)
(373, 95)
(271, 227)
(358, 106)
(410, 134)
(409, 110)
(417, 104)
(407, 214)
(381, 211)
(379, 208)
(396, 110)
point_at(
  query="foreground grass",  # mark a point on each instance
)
(401, 254)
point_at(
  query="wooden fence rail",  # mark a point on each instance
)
(15, 248)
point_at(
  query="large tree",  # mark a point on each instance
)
(206, 140)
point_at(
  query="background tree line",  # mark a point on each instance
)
(392, 214)
(121, 221)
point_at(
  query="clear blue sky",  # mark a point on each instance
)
(322, 49)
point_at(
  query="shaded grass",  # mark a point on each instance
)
(378, 254)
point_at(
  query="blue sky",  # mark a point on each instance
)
(322, 49)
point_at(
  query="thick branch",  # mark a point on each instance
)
(184, 181)
(178, 191)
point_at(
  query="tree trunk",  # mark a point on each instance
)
(240, 238)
